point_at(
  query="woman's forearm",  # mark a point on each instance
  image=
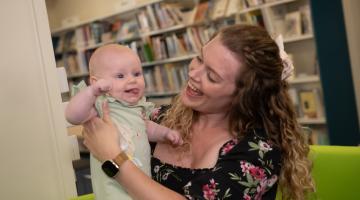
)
(142, 187)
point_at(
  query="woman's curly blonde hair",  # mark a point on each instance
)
(261, 100)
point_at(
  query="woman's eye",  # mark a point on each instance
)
(120, 76)
(210, 78)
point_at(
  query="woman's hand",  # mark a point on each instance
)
(101, 136)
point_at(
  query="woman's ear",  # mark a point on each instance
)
(93, 79)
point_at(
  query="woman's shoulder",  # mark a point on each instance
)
(255, 148)
(158, 113)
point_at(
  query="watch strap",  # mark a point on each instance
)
(121, 158)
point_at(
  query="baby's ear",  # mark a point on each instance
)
(93, 80)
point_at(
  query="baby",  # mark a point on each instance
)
(116, 78)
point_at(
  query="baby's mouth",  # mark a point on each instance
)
(134, 91)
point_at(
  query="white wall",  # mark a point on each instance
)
(83, 10)
(79, 11)
(352, 16)
(34, 149)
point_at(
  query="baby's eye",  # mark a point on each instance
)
(120, 76)
(136, 74)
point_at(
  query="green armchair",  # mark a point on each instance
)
(336, 172)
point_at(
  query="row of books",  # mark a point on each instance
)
(293, 23)
(64, 44)
(152, 17)
(159, 16)
(215, 9)
(163, 47)
(174, 45)
(151, 49)
(167, 78)
(318, 137)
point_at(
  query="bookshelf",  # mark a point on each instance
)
(167, 36)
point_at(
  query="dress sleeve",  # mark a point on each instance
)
(158, 113)
(245, 170)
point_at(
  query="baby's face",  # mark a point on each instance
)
(127, 80)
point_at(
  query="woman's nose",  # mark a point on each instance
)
(195, 72)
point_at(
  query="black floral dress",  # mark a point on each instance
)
(245, 169)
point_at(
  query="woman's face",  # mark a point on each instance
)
(212, 78)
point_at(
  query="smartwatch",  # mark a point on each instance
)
(111, 167)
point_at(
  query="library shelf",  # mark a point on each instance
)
(299, 38)
(274, 3)
(124, 39)
(161, 94)
(265, 5)
(162, 31)
(305, 79)
(312, 121)
(79, 75)
(170, 60)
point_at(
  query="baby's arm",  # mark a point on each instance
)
(81, 106)
(159, 133)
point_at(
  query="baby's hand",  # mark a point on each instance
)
(101, 86)
(174, 138)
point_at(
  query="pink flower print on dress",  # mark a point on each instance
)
(227, 147)
(210, 190)
(245, 167)
(257, 173)
(261, 189)
(265, 147)
(155, 113)
(247, 197)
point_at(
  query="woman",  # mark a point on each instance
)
(238, 124)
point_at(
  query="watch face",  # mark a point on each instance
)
(110, 168)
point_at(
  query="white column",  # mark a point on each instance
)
(34, 149)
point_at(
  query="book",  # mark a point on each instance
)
(168, 70)
(143, 21)
(195, 45)
(160, 16)
(319, 102)
(156, 43)
(169, 21)
(308, 103)
(306, 24)
(176, 13)
(159, 85)
(292, 24)
(233, 7)
(201, 12)
(149, 81)
(180, 45)
(196, 38)
(151, 14)
(218, 9)
(71, 64)
(295, 100)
